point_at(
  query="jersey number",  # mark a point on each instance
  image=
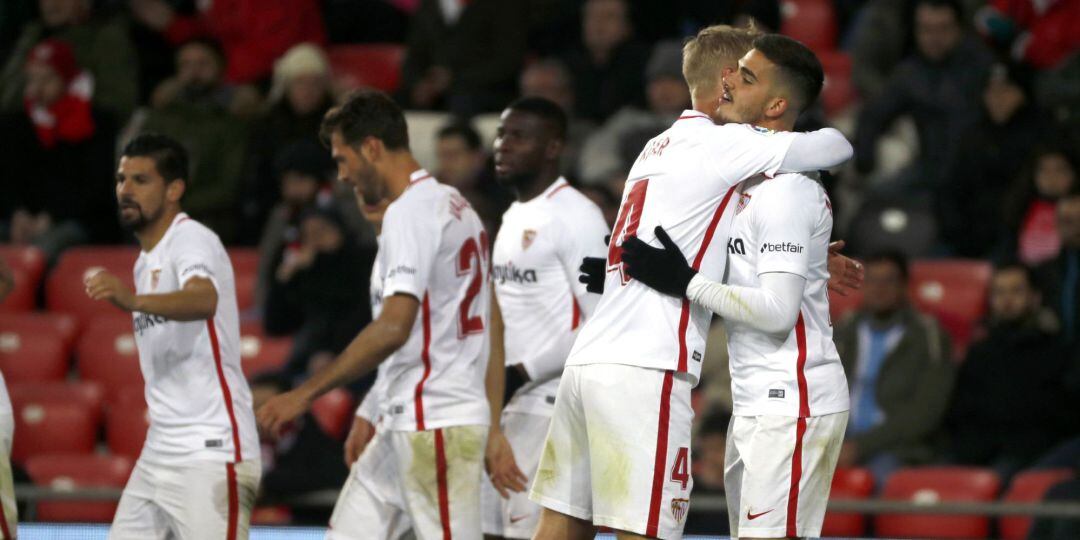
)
(680, 473)
(626, 225)
(471, 260)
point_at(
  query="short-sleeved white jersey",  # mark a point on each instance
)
(784, 225)
(536, 262)
(374, 402)
(434, 248)
(199, 401)
(683, 180)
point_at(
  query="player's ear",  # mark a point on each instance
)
(554, 149)
(371, 149)
(777, 107)
(174, 191)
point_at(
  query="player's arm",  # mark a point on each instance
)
(499, 460)
(363, 427)
(195, 301)
(822, 149)
(739, 151)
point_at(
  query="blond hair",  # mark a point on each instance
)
(711, 50)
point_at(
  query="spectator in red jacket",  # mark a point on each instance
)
(1041, 33)
(252, 32)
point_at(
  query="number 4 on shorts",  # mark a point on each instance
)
(680, 471)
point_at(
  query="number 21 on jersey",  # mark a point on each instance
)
(626, 225)
(472, 259)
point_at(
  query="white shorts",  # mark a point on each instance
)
(778, 471)
(517, 516)
(193, 501)
(618, 452)
(9, 517)
(427, 481)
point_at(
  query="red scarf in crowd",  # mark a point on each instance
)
(68, 118)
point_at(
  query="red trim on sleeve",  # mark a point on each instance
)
(558, 189)
(234, 502)
(689, 116)
(660, 465)
(425, 357)
(224, 388)
(444, 491)
(421, 179)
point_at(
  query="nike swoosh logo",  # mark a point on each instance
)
(517, 519)
(752, 517)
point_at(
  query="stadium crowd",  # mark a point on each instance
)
(965, 116)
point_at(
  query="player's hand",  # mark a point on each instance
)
(279, 411)
(593, 273)
(102, 285)
(845, 274)
(360, 435)
(664, 269)
(501, 467)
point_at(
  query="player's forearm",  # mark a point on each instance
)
(822, 149)
(183, 305)
(375, 343)
(495, 377)
(773, 308)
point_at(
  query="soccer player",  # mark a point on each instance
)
(433, 320)
(789, 389)
(199, 469)
(543, 238)
(618, 453)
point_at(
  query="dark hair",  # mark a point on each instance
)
(1024, 191)
(367, 113)
(463, 130)
(895, 258)
(210, 43)
(952, 5)
(1011, 265)
(170, 158)
(798, 66)
(545, 109)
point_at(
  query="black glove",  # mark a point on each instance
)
(594, 272)
(664, 269)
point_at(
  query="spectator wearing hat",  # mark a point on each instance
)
(101, 45)
(299, 98)
(57, 156)
(609, 152)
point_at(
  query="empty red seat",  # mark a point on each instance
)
(86, 393)
(245, 263)
(1027, 487)
(838, 93)
(125, 427)
(35, 346)
(65, 290)
(259, 353)
(43, 426)
(334, 411)
(848, 484)
(955, 291)
(27, 265)
(929, 485)
(68, 471)
(367, 66)
(812, 22)
(65, 327)
(271, 515)
(106, 353)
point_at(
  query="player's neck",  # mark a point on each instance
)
(399, 168)
(153, 233)
(533, 188)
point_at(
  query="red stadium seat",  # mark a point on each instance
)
(85, 393)
(1027, 487)
(43, 426)
(125, 427)
(370, 65)
(812, 22)
(838, 92)
(848, 484)
(271, 515)
(261, 354)
(955, 292)
(245, 263)
(334, 411)
(106, 353)
(65, 291)
(27, 265)
(933, 484)
(35, 346)
(68, 471)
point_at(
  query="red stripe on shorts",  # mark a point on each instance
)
(425, 357)
(660, 465)
(440, 474)
(224, 388)
(3, 524)
(800, 427)
(234, 502)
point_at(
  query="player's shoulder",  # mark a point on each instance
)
(189, 230)
(793, 184)
(570, 206)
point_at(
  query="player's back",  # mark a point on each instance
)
(433, 247)
(683, 180)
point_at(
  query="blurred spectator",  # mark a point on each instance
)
(939, 87)
(7, 280)
(1041, 33)
(303, 459)
(608, 68)
(13, 15)
(710, 448)
(461, 162)
(207, 116)
(899, 371)
(319, 290)
(57, 156)
(880, 39)
(550, 79)
(252, 33)
(464, 56)
(1010, 405)
(299, 98)
(367, 21)
(1060, 278)
(1031, 215)
(101, 45)
(990, 156)
(603, 156)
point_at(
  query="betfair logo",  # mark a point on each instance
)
(782, 247)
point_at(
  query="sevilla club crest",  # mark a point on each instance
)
(154, 275)
(527, 238)
(744, 200)
(678, 509)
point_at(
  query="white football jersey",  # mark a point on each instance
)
(536, 262)
(199, 401)
(5, 400)
(683, 180)
(373, 404)
(434, 248)
(784, 225)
